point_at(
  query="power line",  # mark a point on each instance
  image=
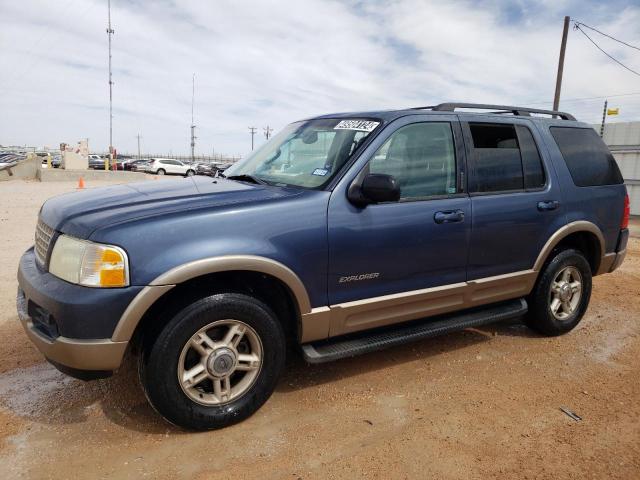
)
(578, 24)
(577, 27)
(542, 102)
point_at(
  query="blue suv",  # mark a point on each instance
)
(343, 234)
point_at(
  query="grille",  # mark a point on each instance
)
(44, 233)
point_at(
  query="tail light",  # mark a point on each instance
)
(625, 213)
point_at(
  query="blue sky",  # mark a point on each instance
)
(273, 62)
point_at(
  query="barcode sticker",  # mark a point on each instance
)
(360, 125)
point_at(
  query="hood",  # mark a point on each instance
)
(80, 213)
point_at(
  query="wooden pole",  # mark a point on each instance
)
(563, 47)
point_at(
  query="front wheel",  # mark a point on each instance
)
(190, 173)
(215, 363)
(561, 295)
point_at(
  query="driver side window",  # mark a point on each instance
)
(421, 157)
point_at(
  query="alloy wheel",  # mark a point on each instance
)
(566, 292)
(220, 362)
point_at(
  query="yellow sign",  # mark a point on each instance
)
(613, 111)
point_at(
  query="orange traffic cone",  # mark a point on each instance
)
(81, 183)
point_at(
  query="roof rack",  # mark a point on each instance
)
(519, 111)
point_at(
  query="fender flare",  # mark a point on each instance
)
(182, 273)
(563, 232)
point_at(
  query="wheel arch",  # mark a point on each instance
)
(582, 235)
(218, 273)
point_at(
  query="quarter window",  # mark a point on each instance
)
(587, 157)
(421, 157)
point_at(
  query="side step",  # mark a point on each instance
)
(357, 344)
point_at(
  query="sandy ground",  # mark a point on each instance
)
(484, 403)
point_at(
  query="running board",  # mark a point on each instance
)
(358, 344)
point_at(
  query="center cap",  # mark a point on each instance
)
(221, 362)
(565, 292)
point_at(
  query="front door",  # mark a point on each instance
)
(382, 252)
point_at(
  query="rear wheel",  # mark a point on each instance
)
(561, 295)
(160, 171)
(215, 363)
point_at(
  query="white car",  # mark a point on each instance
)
(168, 166)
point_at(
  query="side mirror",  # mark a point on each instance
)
(375, 188)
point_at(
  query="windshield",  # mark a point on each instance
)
(305, 154)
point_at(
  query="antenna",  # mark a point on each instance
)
(110, 32)
(253, 132)
(193, 127)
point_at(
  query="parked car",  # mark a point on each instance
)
(96, 162)
(344, 234)
(56, 161)
(139, 165)
(168, 166)
(8, 160)
(205, 169)
(127, 163)
(221, 167)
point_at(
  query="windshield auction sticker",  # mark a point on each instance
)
(360, 125)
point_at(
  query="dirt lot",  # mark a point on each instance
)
(484, 403)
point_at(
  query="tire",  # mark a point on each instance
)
(546, 315)
(199, 406)
(190, 173)
(160, 171)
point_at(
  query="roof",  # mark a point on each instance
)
(449, 108)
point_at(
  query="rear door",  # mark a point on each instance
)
(515, 196)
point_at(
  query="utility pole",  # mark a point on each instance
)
(604, 116)
(253, 132)
(138, 137)
(267, 132)
(563, 47)
(110, 32)
(193, 127)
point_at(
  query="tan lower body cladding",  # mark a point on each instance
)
(389, 309)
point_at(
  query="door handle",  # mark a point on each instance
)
(448, 216)
(548, 205)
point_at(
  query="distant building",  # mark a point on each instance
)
(623, 140)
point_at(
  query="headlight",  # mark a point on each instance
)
(89, 264)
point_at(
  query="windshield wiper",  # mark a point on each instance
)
(246, 178)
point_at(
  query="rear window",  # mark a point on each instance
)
(587, 157)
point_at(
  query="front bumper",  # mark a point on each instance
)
(71, 325)
(98, 354)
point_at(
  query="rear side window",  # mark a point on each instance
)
(587, 157)
(505, 159)
(496, 158)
